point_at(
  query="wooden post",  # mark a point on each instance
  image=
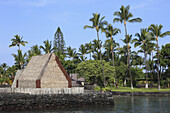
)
(38, 84)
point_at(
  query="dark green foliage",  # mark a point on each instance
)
(91, 70)
(47, 48)
(59, 43)
(7, 74)
(165, 56)
(165, 64)
(35, 50)
(20, 59)
(83, 51)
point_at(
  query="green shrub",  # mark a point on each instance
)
(97, 88)
(106, 89)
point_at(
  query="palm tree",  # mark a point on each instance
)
(143, 40)
(20, 59)
(35, 50)
(127, 41)
(110, 32)
(96, 45)
(107, 47)
(3, 73)
(71, 53)
(156, 32)
(136, 59)
(97, 25)
(110, 47)
(17, 41)
(89, 48)
(4, 68)
(82, 51)
(11, 71)
(151, 48)
(124, 16)
(47, 48)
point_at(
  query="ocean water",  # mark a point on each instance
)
(135, 104)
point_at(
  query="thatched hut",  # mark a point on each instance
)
(43, 71)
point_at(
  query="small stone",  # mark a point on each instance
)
(2, 103)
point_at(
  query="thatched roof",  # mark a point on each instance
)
(44, 71)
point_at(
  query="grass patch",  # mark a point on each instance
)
(128, 89)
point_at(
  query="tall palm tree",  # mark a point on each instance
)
(111, 32)
(143, 40)
(20, 59)
(124, 16)
(156, 32)
(127, 41)
(47, 48)
(17, 41)
(82, 51)
(98, 25)
(110, 47)
(151, 48)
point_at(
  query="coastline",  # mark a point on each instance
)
(118, 93)
(24, 101)
(165, 94)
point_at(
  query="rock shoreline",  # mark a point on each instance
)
(22, 101)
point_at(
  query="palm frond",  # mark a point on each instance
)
(87, 26)
(117, 20)
(165, 34)
(135, 20)
(117, 13)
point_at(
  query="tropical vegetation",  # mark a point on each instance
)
(107, 65)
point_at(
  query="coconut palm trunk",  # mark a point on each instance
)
(146, 68)
(128, 58)
(90, 55)
(158, 63)
(127, 54)
(101, 60)
(131, 81)
(113, 61)
(19, 47)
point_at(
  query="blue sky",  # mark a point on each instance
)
(37, 20)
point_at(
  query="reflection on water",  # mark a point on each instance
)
(142, 104)
(122, 104)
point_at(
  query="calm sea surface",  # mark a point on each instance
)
(122, 105)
